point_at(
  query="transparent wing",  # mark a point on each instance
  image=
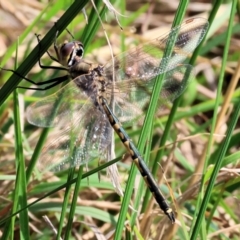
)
(147, 60)
(135, 71)
(131, 98)
(81, 131)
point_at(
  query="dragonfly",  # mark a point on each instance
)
(101, 98)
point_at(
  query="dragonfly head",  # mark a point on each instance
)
(71, 53)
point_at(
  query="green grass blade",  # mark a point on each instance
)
(155, 96)
(19, 196)
(143, 137)
(65, 202)
(74, 203)
(44, 134)
(21, 176)
(46, 42)
(216, 104)
(224, 145)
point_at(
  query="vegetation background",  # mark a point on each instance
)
(197, 146)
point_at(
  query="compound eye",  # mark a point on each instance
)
(76, 54)
(70, 53)
(66, 52)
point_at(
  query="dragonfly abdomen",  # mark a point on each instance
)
(139, 162)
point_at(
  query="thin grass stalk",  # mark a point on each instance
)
(22, 183)
(198, 224)
(143, 137)
(203, 160)
(178, 19)
(19, 196)
(65, 202)
(74, 203)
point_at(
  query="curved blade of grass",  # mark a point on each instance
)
(216, 105)
(90, 34)
(44, 134)
(225, 143)
(170, 121)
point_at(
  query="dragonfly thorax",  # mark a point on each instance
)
(79, 68)
(89, 79)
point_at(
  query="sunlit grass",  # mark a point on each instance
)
(182, 154)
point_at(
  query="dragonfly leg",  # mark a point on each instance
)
(52, 57)
(53, 82)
